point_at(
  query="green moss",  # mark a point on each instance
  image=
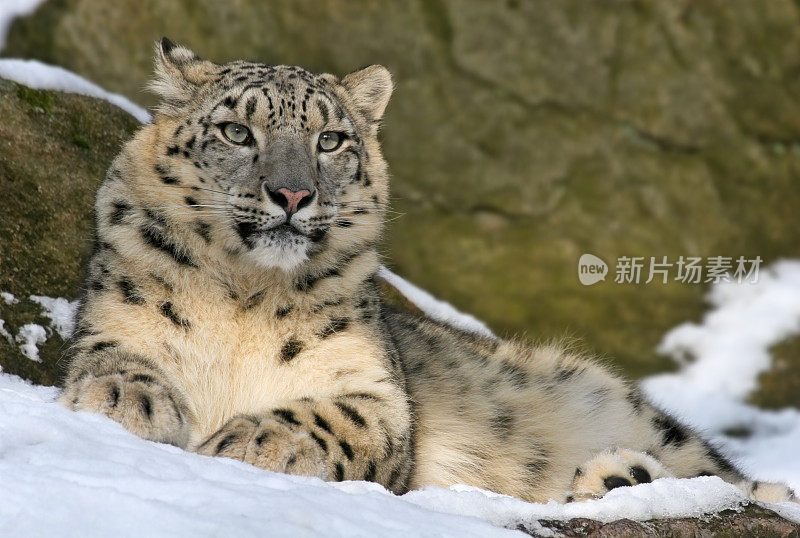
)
(80, 142)
(39, 99)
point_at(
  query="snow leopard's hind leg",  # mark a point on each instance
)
(658, 446)
(617, 467)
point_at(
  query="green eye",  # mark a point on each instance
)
(330, 141)
(236, 133)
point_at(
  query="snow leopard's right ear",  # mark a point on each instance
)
(179, 73)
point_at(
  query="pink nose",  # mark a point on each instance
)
(291, 201)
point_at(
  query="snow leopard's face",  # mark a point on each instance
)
(288, 161)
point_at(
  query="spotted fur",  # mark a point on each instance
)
(217, 320)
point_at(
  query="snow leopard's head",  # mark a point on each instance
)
(280, 164)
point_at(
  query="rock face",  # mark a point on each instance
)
(523, 134)
(54, 150)
(753, 521)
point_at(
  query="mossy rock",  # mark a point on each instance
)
(523, 134)
(54, 151)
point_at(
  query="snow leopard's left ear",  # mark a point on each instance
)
(370, 90)
(179, 73)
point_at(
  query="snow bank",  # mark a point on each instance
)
(11, 9)
(730, 348)
(723, 357)
(48, 77)
(87, 470)
(433, 307)
(665, 498)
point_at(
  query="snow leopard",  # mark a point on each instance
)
(232, 308)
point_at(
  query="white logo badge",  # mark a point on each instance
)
(591, 269)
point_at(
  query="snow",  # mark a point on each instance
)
(82, 463)
(662, 499)
(8, 298)
(433, 307)
(29, 336)
(60, 311)
(48, 77)
(731, 346)
(11, 9)
(722, 358)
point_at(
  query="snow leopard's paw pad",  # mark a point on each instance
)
(136, 400)
(268, 442)
(768, 492)
(614, 468)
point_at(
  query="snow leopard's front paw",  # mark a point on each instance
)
(270, 443)
(614, 468)
(137, 401)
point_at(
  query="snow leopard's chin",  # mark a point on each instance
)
(285, 253)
